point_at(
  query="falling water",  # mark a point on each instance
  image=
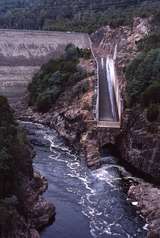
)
(115, 53)
(110, 71)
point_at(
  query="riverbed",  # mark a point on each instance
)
(88, 203)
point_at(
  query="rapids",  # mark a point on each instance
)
(88, 203)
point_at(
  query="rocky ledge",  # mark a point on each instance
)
(23, 215)
(148, 197)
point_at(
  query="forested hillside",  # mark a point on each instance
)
(71, 15)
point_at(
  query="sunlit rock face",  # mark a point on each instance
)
(23, 52)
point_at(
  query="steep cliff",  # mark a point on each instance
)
(138, 141)
(22, 209)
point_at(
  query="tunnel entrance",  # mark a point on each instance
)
(108, 149)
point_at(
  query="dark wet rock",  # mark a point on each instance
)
(148, 197)
(22, 209)
(34, 233)
(42, 213)
(139, 143)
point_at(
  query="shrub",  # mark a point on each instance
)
(5, 112)
(44, 102)
(71, 52)
(12, 150)
(54, 77)
(85, 87)
(153, 112)
(151, 94)
(3, 101)
(149, 42)
(85, 53)
(141, 73)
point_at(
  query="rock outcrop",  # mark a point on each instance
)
(139, 143)
(147, 198)
(72, 115)
(22, 208)
(139, 140)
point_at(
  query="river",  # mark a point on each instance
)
(88, 203)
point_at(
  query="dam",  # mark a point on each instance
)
(23, 52)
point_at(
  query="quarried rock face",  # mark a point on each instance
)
(22, 53)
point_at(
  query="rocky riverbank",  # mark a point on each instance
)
(147, 197)
(23, 214)
(72, 115)
(23, 210)
(137, 142)
(70, 122)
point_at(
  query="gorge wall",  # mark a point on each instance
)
(23, 52)
(22, 208)
(138, 141)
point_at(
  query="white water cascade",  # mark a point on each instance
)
(110, 71)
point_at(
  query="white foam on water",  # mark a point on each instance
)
(145, 227)
(56, 158)
(134, 203)
(90, 185)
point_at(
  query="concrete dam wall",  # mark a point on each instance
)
(23, 52)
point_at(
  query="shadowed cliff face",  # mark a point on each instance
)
(139, 139)
(22, 209)
(23, 52)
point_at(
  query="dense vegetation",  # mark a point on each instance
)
(72, 15)
(143, 74)
(55, 76)
(12, 150)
